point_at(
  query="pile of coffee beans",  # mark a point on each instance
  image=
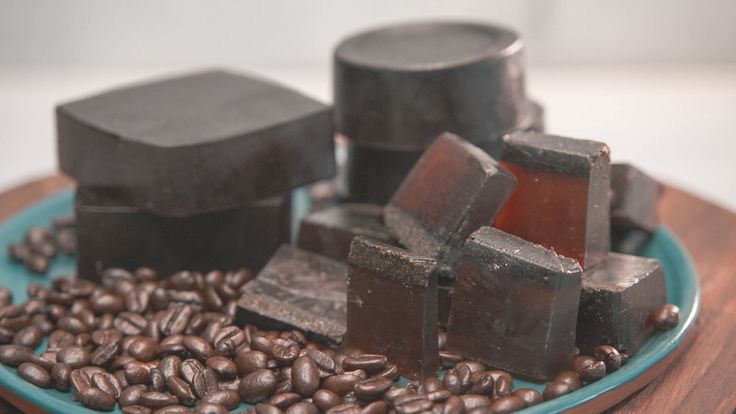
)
(41, 245)
(170, 346)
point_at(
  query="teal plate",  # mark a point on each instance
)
(682, 290)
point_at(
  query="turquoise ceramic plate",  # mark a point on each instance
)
(682, 289)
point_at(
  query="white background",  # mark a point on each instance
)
(654, 79)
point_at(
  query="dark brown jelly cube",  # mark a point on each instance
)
(561, 199)
(111, 233)
(445, 288)
(452, 190)
(329, 232)
(617, 298)
(197, 143)
(515, 305)
(298, 289)
(634, 201)
(392, 306)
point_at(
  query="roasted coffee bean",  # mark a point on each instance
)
(250, 361)
(75, 356)
(170, 366)
(105, 354)
(172, 345)
(173, 409)
(96, 399)
(391, 372)
(175, 319)
(503, 383)
(212, 409)
(190, 298)
(14, 355)
(136, 409)
(347, 408)
(557, 389)
(666, 317)
(197, 324)
(415, 404)
(286, 354)
(44, 324)
(35, 374)
(34, 306)
(507, 404)
(529, 396)
(471, 401)
(457, 381)
(284, 400)
(108, 383)
(439, 395)
(137, 300)
(449, 359)
(372, 388)
(481, 383)
(113, 275)
(137, 373)
(120, 376)
(189, 368)
(183, 280)
(36, 263)
(145, 274)
(155, 400)
(262, 408)
(588, 368)
(369, 363)
(211, 330)
(302, 408)
(431, 384)
(120, 361)
(257, 386)
(204, 382)
(229, 399)
(107, 303)
(30, 337)
(60, 376)
(79, 380)
(158, 382)
(18, 252)
(212, 299)
(341, 384)
(624, 358)
(263, 344)
(231, 385)
(6, 335)
(181, 390)
(571, 378)
(131, 395)
(66, 239)
(130, 323)
(305, 376)
(198, 347)
(228, 339)
(610, 356)
(223, 367)
(376, 407)
(350, 397)
(143, 349)
(325, 399)
(73, 325)
(453, 405)
(323, 361)
(238, 278)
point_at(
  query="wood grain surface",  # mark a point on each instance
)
(702, 379)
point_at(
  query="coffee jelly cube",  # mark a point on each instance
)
(329, 232)
(561, 199)
(112, 233)
(298, 289)
(445, 289)
(392, 306)
(197, 143)
(452, 190)
(633, 208)
(617, 298)
(515, 305)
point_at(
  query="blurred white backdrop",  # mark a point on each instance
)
(656, 80)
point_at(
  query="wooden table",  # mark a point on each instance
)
(703, 377)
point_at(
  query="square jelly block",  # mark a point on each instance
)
(111, 233)
(197, 143)
(298, 290)
(450, 192)
(515, 305)
(618, 297)
(561, 199)
(635, 197)
(329, 232)
(392, 306)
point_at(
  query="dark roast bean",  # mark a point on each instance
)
(136, 409)
(34, 306)
(305, 376)
(284, 400)
(72, 325)
(36, 263)
(431, 384)
(212, 409)
(302, 408)
(507, 404)
(238, 278)
(107, 303)
(6, 335)
(108, 383)
(113, 275)
(105, 354)
(137, 373)
(198, 347)
(453, 405)
(104, 336)
(35, 374)
(173, 409)
(457, 380)
(285, 354)
(294, 336)
(325, 399)
(132, 394)
(172, 345)
(14, 355)
(174, 321)
(120, 376)
(610, 356)
(18, 252)
(60, 376)
(588, 368)
(204, 382)
(557, 389)
(262, 408)
(250, 361)
(190, 298)
(137, 300)
(96, 399)
(257, 386)
(130, 323)
(79, 380)
(369, 363)
(263, 344)
(624, 358)
(347, 408)
(158, 382)
(503, 383)
(376, 407)
(350, 397)
(30, 336)
(666, 317)
(229, 399)
(170, 366)
(211, 330)
(571, 378)
(120, 361)
(439, 395)
(145, 274)
(223, 367)
(341, 384)
(155, 399)
(44, 324)
(143, 349)
(229, 339)
(189, 368)
(212, 299)
(412, 405)
(482, 383)
(75, 356)
(529, 396)
(471, 401)
(391, 372)
(231, 385)
(372, 388)
(181, 390)
(323, 361)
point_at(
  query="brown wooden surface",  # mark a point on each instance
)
(702, 379)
